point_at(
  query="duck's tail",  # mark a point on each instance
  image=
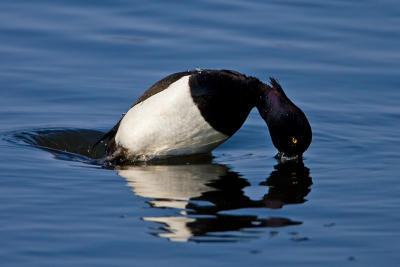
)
(109, 139)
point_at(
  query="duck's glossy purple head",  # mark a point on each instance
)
(288, 125)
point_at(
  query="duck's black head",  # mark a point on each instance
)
(288, 125)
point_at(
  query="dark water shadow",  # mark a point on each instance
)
(199, 191)
(64, 144)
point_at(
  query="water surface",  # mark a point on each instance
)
(70, 69)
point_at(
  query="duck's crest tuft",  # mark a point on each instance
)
(275, 84)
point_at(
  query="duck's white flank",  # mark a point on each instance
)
(167, 124)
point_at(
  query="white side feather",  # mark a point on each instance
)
(167, 124)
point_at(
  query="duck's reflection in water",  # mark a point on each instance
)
(200, 192)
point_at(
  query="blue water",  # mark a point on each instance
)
(68, 69)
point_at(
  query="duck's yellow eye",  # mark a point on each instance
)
(294, 140)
